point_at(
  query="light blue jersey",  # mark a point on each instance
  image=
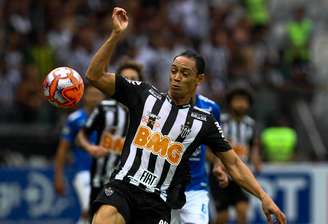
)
(74, 122)
(199, 178)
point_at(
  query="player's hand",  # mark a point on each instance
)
(97, 151)
(222, 176)
(120, 20)
(270, 208)
(59, 186)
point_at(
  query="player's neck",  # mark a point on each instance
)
(237, 117)
(181, 100)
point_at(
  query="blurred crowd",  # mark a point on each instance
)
(241, 40)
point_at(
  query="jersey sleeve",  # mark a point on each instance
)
(216, 110)
(95, 121)
(214, 138)
(69, 130)
(128, 92)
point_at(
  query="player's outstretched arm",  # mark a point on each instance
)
(244, 177)
(97, 70)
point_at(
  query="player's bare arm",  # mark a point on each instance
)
(97, 71)
(244, 177)
(60, 159)
(93, 150)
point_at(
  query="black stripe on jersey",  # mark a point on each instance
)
(127, 122)
(137, 160)
(238, 130)
(188, 123)
(115, 122)
(155, 111)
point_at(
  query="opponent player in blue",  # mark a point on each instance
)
(196, 208)
(81, 159)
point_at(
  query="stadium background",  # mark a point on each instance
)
(277, 47)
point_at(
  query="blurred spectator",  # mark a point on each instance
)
(216, 54)
(299, 32)
(17, 14)
(82, 49)
(258, 14)
(41, 55)
(13, 52)
(9, 80)
(279, 141)
(29, 98)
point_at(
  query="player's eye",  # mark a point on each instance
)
(186, 73)
(174, 70)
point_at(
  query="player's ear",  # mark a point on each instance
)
(200, 78)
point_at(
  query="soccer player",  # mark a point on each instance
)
(164, 130)
(81, 160)
(110, 121)
(240, 130)
(195, 209)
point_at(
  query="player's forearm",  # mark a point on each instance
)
(244, 177)
(83, 141)
(59, 163)
(101, 59)
(60, 157)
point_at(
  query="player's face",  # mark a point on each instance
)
(240, 104)
(92, 97)
(131, 74)
(184, 78)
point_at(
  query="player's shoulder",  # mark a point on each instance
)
(205, 99)
(76, 115)
(109, 102)
(200, 113)
(207, 103)
(225, 117)
(248, 120)
(152, 90)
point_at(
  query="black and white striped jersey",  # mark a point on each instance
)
(240, 133)
(160, 139)
(110, 121)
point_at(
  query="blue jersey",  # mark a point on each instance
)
(198, 173)
(75, 121)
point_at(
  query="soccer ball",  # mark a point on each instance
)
(63, 87)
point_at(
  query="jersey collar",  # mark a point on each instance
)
(179, 106)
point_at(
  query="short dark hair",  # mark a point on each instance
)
(200, 62)
(130, 64)
(239, 90)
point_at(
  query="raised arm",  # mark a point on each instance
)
(97, 71)
(244, 177)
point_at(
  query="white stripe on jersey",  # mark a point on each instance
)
(109, 121)
(163, 114)
(149, 104)
(195, 128)
(96, 180)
